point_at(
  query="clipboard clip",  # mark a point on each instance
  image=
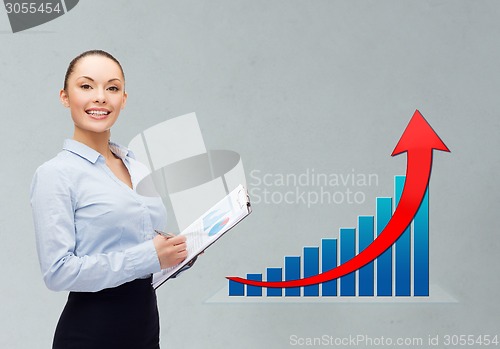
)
(243, 199)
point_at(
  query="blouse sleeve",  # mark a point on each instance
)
(53, 207)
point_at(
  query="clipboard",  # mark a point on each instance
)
(207, 229)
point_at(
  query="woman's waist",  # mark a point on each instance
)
(131, 288)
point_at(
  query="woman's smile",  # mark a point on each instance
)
(98, 113)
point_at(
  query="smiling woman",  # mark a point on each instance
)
(94, 90)
(95, 234)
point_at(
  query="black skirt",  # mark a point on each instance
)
(124, 317)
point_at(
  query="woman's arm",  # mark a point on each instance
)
(53, 208)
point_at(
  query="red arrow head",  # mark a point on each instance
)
(419, 135)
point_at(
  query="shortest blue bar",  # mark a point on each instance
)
(236, 288)
(254, 291)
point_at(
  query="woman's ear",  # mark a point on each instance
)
(63, 97)
(124, 101)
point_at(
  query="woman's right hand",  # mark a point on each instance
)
(171, 250)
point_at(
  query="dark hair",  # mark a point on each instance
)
(75, 60)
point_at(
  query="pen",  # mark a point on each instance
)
(166, 235)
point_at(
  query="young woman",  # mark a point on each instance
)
(95, 235)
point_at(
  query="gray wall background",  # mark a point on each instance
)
(290, 85)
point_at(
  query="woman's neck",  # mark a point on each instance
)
(97, 141)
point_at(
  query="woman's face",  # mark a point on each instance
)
(95, 94)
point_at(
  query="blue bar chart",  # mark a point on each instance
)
(401, 271)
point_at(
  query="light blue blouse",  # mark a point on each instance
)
(92, 230)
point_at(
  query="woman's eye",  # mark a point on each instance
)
(86, 87)
(113, 88)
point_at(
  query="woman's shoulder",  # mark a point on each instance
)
(72, 156)
(52, 176)
(58, 166)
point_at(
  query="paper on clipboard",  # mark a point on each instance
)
(207, 229)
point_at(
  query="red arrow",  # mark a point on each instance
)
(418, 140)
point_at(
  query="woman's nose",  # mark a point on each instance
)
(100, 96)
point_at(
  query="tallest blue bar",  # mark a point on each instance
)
(421, 249)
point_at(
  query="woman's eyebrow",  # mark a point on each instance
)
(89, 78)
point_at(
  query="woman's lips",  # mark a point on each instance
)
(98, 114)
